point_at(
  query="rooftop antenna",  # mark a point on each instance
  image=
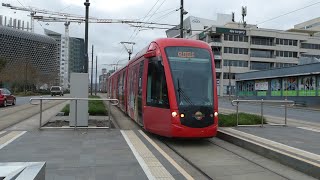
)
(244, 14)
(232, 16)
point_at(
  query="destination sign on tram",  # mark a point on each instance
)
(187, 52)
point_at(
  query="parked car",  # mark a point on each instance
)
(56, 90)
(6, 97)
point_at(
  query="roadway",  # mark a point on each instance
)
(22, 100)
(25, 99)
(302, 114)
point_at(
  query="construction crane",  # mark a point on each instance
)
(33, 11)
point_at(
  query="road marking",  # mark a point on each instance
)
(10, 137)
(290, 149)
(164, 154)
(149, 163)
(2, 132)
(310, 129)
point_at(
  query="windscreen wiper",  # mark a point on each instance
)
(183, 94)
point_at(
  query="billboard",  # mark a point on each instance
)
(261, 85)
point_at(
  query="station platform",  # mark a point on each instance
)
(89, 154)
(297, 147)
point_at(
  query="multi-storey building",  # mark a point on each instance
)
(62, 58)
(27, 59)
(71, 56)
(240, 49)
(76, 54)
(103, 80)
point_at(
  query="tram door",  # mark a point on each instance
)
(140, 80)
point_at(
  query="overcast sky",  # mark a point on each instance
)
(107, 37)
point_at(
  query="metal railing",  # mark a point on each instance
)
(282, 102)
(76, 106)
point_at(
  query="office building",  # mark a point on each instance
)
(71, 56)
(240, 49)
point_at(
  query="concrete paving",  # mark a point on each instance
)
(291, 136)
(76, 154)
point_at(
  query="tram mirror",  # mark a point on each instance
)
(150, 54)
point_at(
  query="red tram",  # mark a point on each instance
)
(169, 88)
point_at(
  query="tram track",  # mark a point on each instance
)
(226, 152)
(186, 159)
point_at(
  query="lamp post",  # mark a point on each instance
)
(86, 4)
(182, 12)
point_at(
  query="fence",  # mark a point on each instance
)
(76, 106)
(285, 102)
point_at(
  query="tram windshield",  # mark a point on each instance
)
(192, 75)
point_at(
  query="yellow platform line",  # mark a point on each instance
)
(149, 163)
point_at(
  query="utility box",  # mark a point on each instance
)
(79, 89)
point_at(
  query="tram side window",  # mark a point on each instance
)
(157, 93)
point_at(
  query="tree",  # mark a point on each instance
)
(3, 63)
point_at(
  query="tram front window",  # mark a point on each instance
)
(192, 74)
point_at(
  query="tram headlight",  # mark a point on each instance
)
(174, 114)
(182, 115)
(216, 114)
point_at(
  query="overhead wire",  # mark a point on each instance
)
(164, 16)
(288, 13)
(150, 17)
(162, 11)
(136, 29)
(117, 59)
(144, 18)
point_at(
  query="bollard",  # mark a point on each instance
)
(40, 124)
(285, 113)
(261, 112)
(237, 113)
(76, 115)
(109, 114)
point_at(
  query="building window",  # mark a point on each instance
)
(226, 76)
(226, 37)
(264, 41)
(240, 38)
(310, 46)
(287, 42)
(217, 63)
(260, 65)
(286, 54)
(232, 50)
(261, 53)
(235, 63)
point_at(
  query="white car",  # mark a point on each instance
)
(56, 90)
